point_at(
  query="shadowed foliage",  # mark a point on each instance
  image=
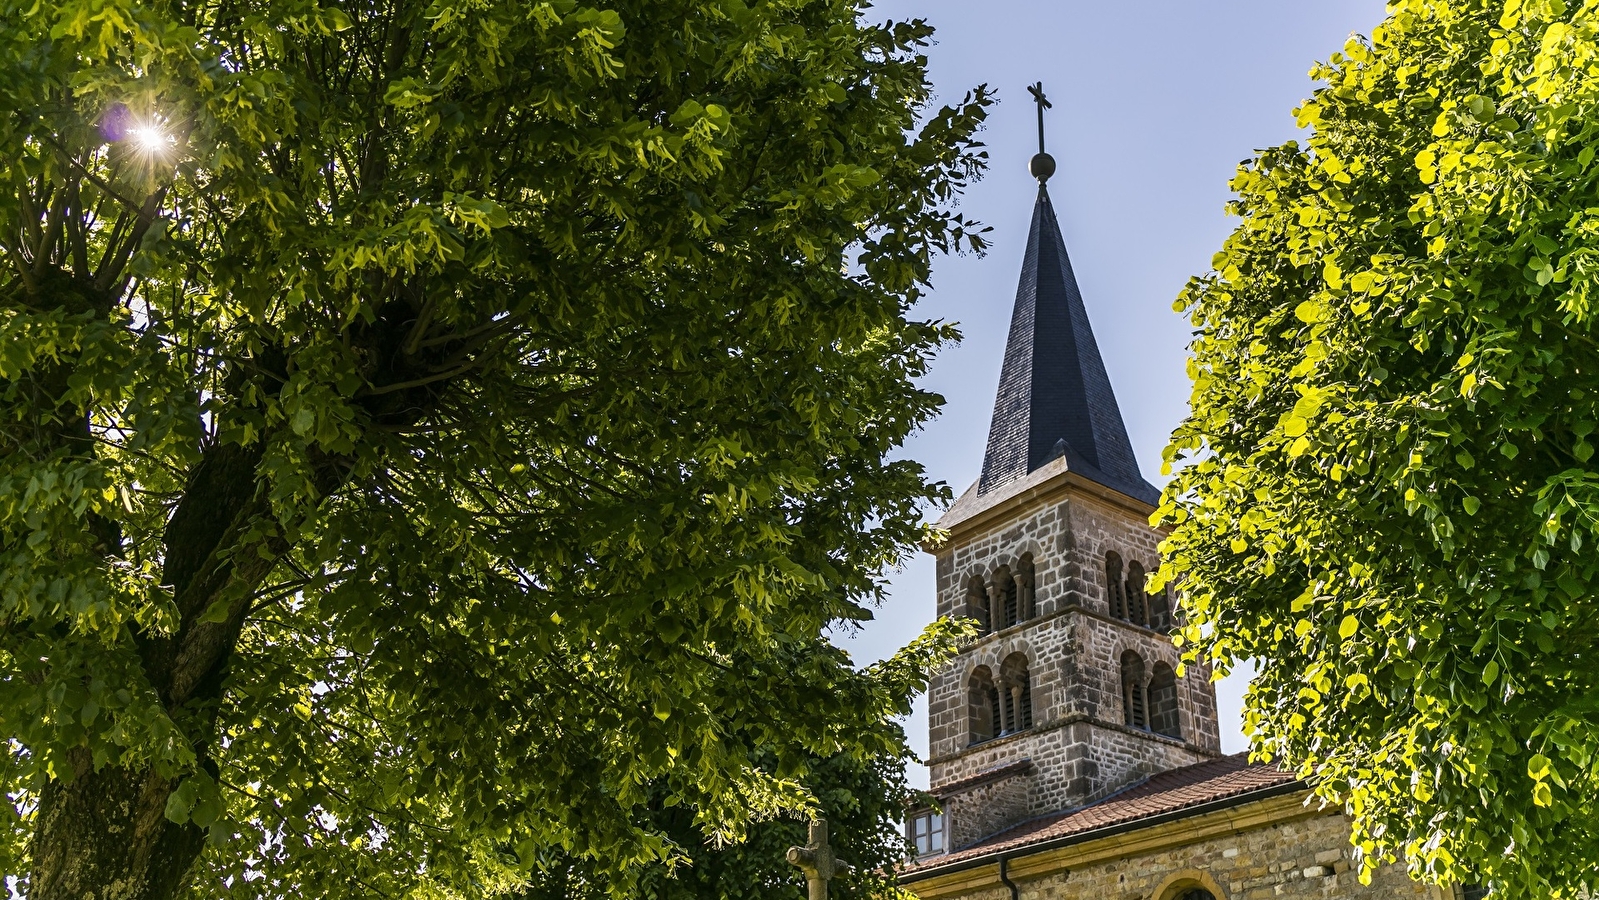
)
(431, 430)
(865, 801)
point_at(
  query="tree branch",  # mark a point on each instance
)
(24, 271)
(52, 233)
(111, 274)
(76, 228)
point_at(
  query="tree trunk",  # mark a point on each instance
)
(105, 836)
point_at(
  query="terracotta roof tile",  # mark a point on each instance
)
(1168, 792)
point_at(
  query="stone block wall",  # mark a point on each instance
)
(986, 809)
(1075, 762)
(1080, 744)
(1075, 670)
(1295, 860)
(1096, 528)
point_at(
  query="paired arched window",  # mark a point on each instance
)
(1025, 607)
(977, 603)
(1115, 590)
(1018, 699)
(999, 706)
(1150, 702)
(1007, 601)
(1137, 600)
(982, 706)
(1128, 599)
(1135, 693)
(1003, 598)
(1163, 718)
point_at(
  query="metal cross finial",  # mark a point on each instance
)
(1037, 90)
(1042, 165)
(817, 861)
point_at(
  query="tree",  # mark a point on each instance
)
(1389, 498)
(429, 427)
(865, 801)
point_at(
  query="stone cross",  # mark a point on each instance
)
(817, 861)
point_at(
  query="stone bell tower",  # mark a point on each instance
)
(1070, 693)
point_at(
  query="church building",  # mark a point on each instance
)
(1068, 757)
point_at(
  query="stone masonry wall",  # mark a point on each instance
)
(1075, 762)
(1296, 860)
(1074, 670)
(1079, 745)
(984, 810)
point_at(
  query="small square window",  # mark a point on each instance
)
(927, 832)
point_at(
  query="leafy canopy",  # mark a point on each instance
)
(864, 800)
(434, 432)
(1390, 499)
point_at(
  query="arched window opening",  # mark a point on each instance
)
(1135, 693)
(1189, 886)
(982, 706)
(1017, 689)
(1160, 610)
(1027, 608)
(1137, 599)
(977, 604)
(1114, 589)
(1163, 701)
(1004, 598)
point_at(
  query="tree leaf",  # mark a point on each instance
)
(1348, 627)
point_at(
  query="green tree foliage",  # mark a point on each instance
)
(432, 429)
(865, 801)
(1390, 499)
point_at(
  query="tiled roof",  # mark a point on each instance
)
(1230, 777)
(1054, 395)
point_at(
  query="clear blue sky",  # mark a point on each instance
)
(1156, 102)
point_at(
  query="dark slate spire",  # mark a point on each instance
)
(1054, 396)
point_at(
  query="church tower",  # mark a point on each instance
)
(1070, 693)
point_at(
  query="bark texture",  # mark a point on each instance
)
(104, 834)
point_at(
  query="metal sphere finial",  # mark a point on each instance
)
(1042, 165)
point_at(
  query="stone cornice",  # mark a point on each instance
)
(1013, 630)
(1048, 484)
(1064, 722)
